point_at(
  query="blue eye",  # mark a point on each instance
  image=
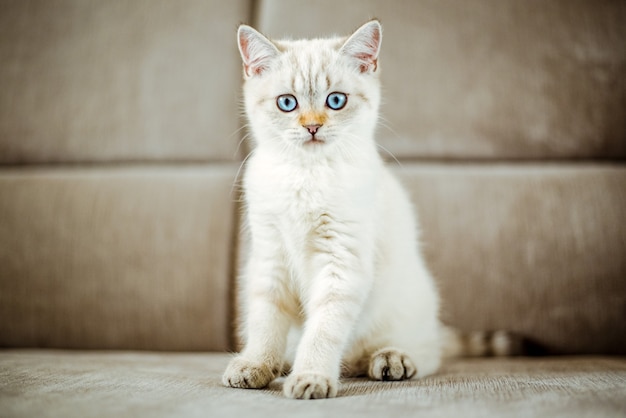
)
(286, 102)
(336, 101)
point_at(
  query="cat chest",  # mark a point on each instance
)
(310, 220)
(295, 193)
(308, 206)
(307, 214)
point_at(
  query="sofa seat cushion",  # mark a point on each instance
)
(48, 383)
(130, 257)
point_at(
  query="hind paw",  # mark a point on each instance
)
(391, 364)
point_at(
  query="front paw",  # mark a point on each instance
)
(310, 386)
(242, 373)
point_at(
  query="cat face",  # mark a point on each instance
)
(312, 96)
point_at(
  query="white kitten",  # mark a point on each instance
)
(335, 284)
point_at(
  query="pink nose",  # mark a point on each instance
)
(312, 128)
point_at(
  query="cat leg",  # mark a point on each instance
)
(267, 323)
(403, 341)
(333, 310)
(388, 352)
(260, 362)
(261, 359)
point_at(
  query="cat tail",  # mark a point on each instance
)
(501, 343)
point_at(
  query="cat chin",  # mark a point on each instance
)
(311, 147)
(312, 142)
(308, 141)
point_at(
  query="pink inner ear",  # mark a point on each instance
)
(375, 40)
(367, 61)
(372, 57)
(245, 51)
(364, 46)
(243, 43)
(254, 68)
(254, 53)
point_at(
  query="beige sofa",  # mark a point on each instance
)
(120, 142)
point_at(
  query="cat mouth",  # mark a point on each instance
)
(312, 141)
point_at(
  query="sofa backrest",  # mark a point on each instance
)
(119, 148)
(119, 127)
(482, 81)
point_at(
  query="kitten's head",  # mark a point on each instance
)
(312, 96)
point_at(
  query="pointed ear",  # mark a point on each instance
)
(364, 45)
(256, 50)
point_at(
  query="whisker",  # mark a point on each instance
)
(241, 141)
(236, 180)
(391, 155)
(349, 151)
(385, 123)
(245, 125)
(243, 138)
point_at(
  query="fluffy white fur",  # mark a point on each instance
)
(335, 283)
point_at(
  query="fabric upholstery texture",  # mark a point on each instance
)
(535, 248)
(116, 257)
(478, 80)
(532, 248)
(125, 384)
(119, 211)
(89, 81)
